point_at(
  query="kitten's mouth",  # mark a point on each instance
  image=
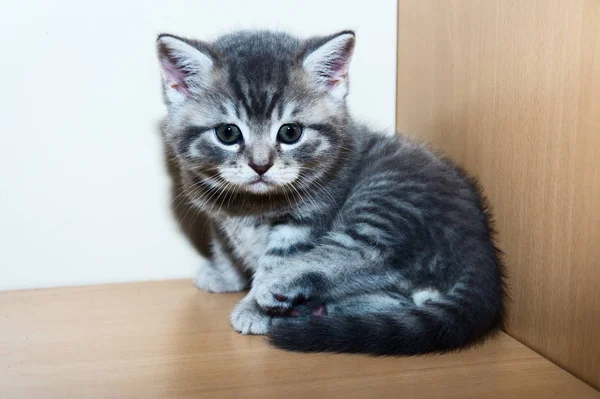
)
(261, 179)
(260, 184)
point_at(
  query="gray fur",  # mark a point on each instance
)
(393, 239)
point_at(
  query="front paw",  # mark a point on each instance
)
(280, 291)
(248, 318)
(211, 279)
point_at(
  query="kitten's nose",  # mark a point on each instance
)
(260, 169)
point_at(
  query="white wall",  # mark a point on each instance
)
(84, 194)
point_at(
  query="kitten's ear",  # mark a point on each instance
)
(327, 61)
(185, 67)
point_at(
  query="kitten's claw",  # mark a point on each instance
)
(269, 301)
(284, 290)
(280, 298)
(319, 311)
(209, 279)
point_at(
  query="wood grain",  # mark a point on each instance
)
(511, 89)
(168, 339)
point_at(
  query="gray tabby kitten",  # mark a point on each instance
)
(353, 241)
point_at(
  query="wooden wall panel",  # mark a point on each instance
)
(511, 89)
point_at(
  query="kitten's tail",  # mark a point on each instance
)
(436, 326)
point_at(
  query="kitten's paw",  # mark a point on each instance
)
(248, 318)
(212, 279)
(284, 291)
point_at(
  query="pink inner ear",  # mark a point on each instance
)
(337, 68)
(174, 76)
(338, 72)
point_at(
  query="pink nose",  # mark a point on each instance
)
(260, 169)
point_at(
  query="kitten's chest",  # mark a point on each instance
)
(248, 238)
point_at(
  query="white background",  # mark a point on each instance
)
(84, 193)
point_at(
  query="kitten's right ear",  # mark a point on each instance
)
(185, 67)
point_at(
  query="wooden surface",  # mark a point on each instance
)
(511, 89)
(168, 339)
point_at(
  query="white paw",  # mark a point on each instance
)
(247, 318)
(212, 279)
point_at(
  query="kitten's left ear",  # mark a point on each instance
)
(327, 61)
(185, 65)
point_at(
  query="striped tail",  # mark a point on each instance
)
(442, 326)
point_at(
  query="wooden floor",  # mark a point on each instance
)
(167, 339)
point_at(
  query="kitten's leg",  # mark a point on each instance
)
(248, 318)
(220, 274)
(368, 303)
(338, 267)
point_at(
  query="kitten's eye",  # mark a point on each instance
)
(228, 134)
(290, 133)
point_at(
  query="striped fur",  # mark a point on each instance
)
(391, 243)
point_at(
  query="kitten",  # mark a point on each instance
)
(391, 243)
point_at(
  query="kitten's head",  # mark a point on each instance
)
(256, 115)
